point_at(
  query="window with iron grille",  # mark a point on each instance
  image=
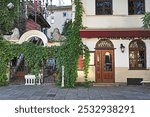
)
(136, 7)
(103, 7)
(137, 54)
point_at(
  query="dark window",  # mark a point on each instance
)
(64, 14)
(137, 54)
(103, 7)
(136, 7)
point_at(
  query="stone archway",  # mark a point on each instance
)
(33, 33)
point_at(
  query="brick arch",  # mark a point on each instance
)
(33, 33)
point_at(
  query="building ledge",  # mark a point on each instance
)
(115, 33)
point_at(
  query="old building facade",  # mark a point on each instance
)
(119, 45)
(57, 18)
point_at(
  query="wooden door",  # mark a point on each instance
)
(104, 63)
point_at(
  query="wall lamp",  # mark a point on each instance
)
(122, 47)
(10, 6)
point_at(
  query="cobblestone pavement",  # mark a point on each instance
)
(51, 92)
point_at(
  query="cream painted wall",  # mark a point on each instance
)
(89, 7)
(147, 42)
(119, 19)
(122, 73)
(91, 75)
(121, 59)
(97, 22)
(120, 7)
(147, 5)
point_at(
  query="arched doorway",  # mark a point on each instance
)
(104, 61)
(17, 66)
(29, 35)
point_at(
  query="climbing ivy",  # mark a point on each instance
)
(7, 16)
(67, 54)
(86, 62)
(72, 48)
(146, 20)
(35, 56)
(67, 24)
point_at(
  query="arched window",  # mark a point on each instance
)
(137, 54)
(104, 43)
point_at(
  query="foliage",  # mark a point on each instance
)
(34, 56)
(86, 62)
(67, 54)
(67, 24)
(72, 48)
(7, 17)
(146, 20)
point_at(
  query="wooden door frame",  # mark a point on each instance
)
(95, 60)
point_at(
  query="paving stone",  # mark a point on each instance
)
(95, 97)
(35, 98)
(59, 98)
(50, 92)
(71, 98)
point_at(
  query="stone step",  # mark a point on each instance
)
(105, 84)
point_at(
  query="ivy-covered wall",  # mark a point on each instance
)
(35, 56)
(72, 48)
(67, 55)
(8, 16)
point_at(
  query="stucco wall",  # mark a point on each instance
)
(119, 19)
(121, 74)
(91, 75)
(59, 20)
(122, 71)
(121, 59)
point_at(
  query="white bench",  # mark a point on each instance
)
(31, 80)
(145, 82)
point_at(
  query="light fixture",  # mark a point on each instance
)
(122, 47)
(10, 6)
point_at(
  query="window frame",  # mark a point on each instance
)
(103, 8)
(64, 14)
(136, 51)
(129, 7)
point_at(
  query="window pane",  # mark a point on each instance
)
(103, 7)
(108, 62)
(141, 59)
(133, 59)
(137, 57)
(136, 7)
(98, 59)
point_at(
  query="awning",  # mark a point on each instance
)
(115, 33)
(40, 19)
